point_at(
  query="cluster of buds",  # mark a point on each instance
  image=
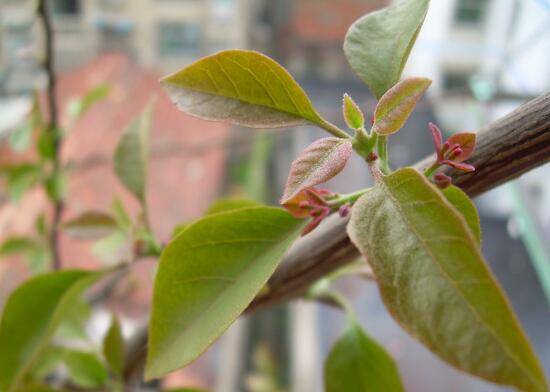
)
(311, 202)
(453, 152)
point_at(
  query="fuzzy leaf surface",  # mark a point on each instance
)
(397, 104)
(318, 163)
(434, 281)
(208, 275)
(352, 114)
(242, 87)
(378, 44)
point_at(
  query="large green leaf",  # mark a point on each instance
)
(132, 155)
(378, 44)
(435, 282)
(466, 207)
(228, 204)
(31, 315)
(243, 87)
(208, 275)
(357, 363)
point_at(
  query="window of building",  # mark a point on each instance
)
(470, 12)
(457, 80)
(178, 38)
(65, 7)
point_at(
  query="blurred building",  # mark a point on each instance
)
(159, 34)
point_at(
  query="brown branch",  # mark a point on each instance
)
(53, 128)
(506, 149)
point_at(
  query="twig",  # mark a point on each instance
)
(53, 128)
(506, 149)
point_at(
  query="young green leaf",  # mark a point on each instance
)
(378, 44)
(85, 369)
(318, 163)
(435, 282)
(113, 348)
(466, 207)
(31, 315)
(208, 275)
(397, 104)
(132, 155)
(90, 225)
(357, 363)
(243, 87)
(14, 245)
(80, 105)
(352, 114)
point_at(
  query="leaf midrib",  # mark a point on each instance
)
(455, 287)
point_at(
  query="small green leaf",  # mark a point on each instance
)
(55, 186)
(228, 204)
(31, 315)
(435, 282)
(243, 87)
(16, 245)
(466, 207)
(73, 325)
(113, 348)
(20, 178)
(352, 114)
(90, 225)
(121, 215)
(85, 369)
(397, 104)
(132, 156)
(49, 360)
(113, 248)
(378, 44)
(208, 275)
(46, 145)
(21, 137)
(78, 107)
(318, 163)
(357, 363)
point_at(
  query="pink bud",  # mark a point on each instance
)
(344, 210)
(442, 180)
(372, 157)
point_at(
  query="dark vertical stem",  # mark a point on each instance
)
(53, 127)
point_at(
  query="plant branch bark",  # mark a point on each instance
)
(53, 127)
(505, 150)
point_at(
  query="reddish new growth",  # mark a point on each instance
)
(310, 202)
(455, 150)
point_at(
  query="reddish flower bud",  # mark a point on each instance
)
(442, 180)
(344, 210)
(372, 157)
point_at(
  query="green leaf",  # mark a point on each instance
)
(228, 204)
(113, 248)
(55, 185)
(352, 114)
(73, 325)
(20, 178)
(243, 87)
(49, 360)
(90, 225)
(466, 207)
(38, 388)
(397, 104)
(79, 106)
(16, 245)
(318, 163)
(357, 363)
(46, 145)
(85, 369)
(113, 348)
(132, 155)
(208, 275)
(121, 215)
(435, 282)
(378, 44)
(31, 315)
(21, 137)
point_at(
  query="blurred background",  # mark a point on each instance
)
(485, 57)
